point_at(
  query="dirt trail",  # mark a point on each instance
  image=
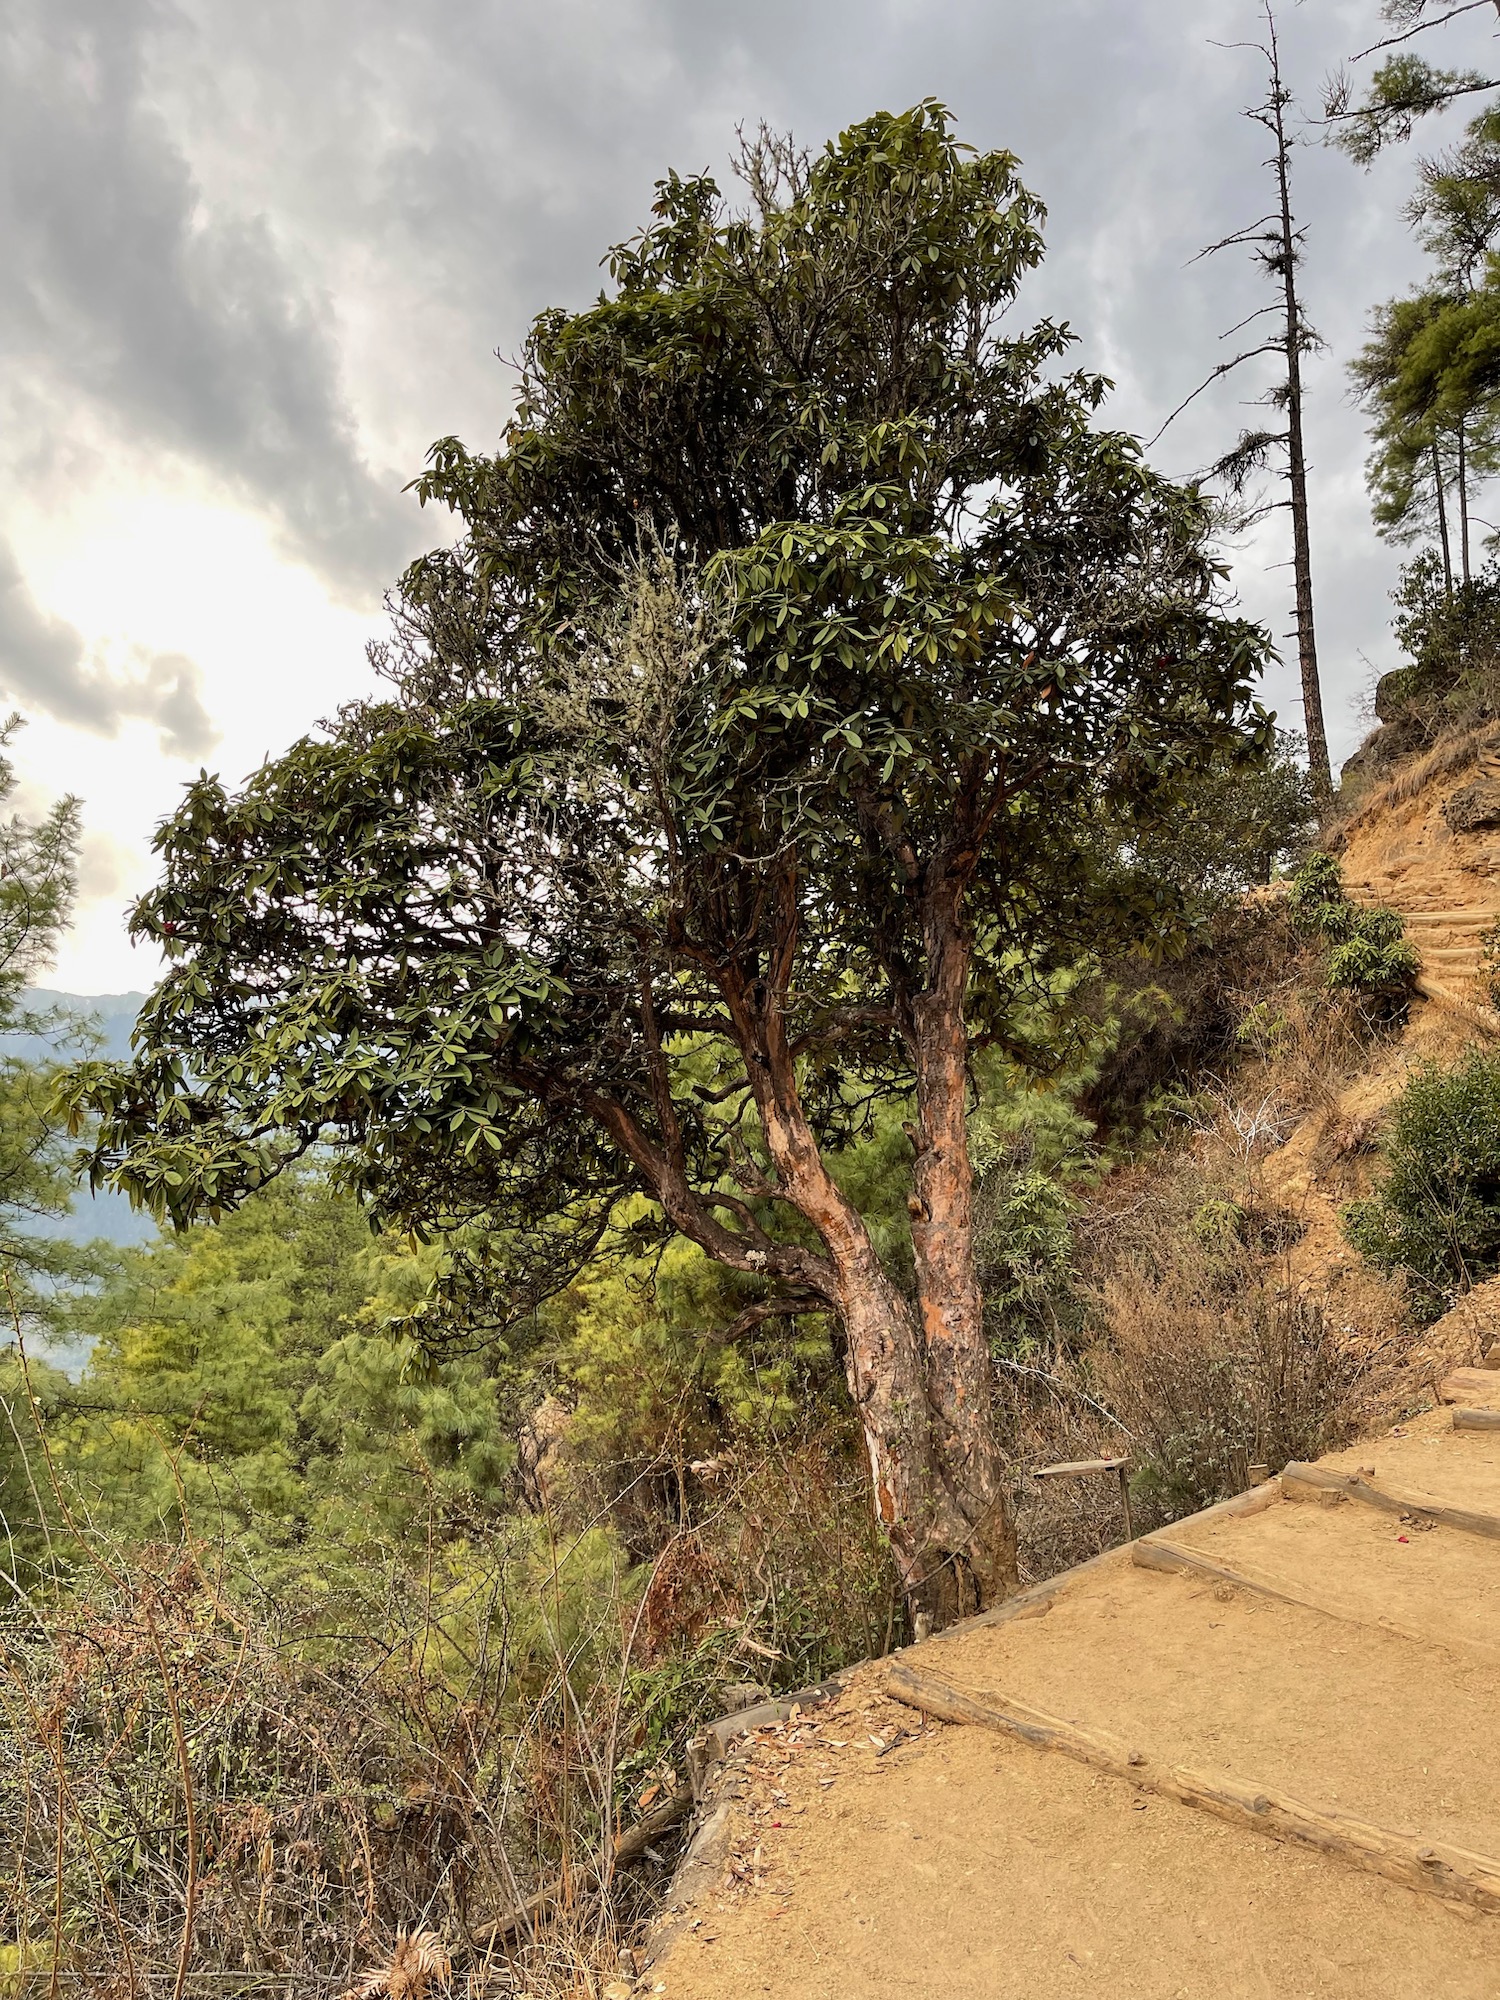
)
(1414, 846)
(1321, 1650)
(1401, 850)
(872, 1851)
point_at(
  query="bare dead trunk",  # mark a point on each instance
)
(1320, 771)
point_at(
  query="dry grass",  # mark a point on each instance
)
(1456, 750)
(1213, 1376)
(1196, 1366)
(419, 1961)
(193, 1796)
(1196, 1352)
(350, 1795)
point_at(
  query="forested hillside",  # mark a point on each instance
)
(60, 1026)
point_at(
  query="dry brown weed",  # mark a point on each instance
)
(418, 1962)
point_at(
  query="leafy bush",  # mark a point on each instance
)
(1369, 953)
(1375, 957)
(1436, 1212)
(1317, 891)
(1451, 636)
(1023, 1241)
(1219, 1221)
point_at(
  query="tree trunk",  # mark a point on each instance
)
(920, 1381)
(979, 1543)
(1463, 500)
(912, 1473)
(1442, 514)
(1319, 768)
(924, 1494)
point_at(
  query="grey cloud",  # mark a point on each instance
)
(44, 666)
(239, 225)
(517, 142)
(182, 321)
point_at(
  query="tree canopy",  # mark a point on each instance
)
(1429, 376)
(808, 676)
(36, 1189)
(1405, 87)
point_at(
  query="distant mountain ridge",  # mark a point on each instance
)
(112, 1016)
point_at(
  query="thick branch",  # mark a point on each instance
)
(1421, 27)
(792, 1306)
(692, 1213)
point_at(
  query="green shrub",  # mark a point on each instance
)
(1317, 891)
(1451, 634)
(1368, 950)
(1024, 1242)
(1436, 1212)
(1375, 957)
(1219, 1222)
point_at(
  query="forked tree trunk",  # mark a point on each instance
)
(919, 1379)
(936, 1479)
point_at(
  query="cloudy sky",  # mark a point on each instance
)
(256, 258)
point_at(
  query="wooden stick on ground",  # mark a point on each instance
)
(1301, 1480)
(1155, 1553)
(630, 1846)
(1432, 1867)
(1037, 1599)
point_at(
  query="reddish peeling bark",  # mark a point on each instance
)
(977, 1532)
(911, 1473)
(919, 1375)
(919, 1379)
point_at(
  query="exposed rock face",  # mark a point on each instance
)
(1470, 1332)
(1473, 806)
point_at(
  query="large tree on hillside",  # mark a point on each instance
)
(808, 670)
(1429, 377)
(1430, 374)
